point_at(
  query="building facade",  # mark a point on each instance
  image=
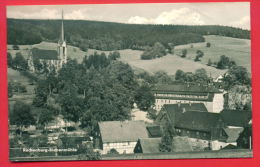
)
(121, 136)
(211, 97)
(52, 57)
(205, 130)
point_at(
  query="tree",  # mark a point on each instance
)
(201, 76)
(19, 62)
(184, 53)
(151, 114)
(113, 152)
(37, 65)
(21, 116)
(10, 90)
(236, 75)
(9, 60)
(243, 140)
(223, 63)
(199, 54)
(209, 62)
(16, 47)
(208, 44)
(41, 93)
(144, 97)
(180, 75)
(166, 144)
(71, 104)
(45, 117)
(114, 55)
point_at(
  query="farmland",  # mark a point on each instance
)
(237, 49)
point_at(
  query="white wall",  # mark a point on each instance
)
(217, 145)
(218, 102)
(121, 147)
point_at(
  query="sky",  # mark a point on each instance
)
(235, 14)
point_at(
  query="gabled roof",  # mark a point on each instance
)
(174, 111)
(154, 131)
(150, 145)
(200, 121)
(122, 131)
(236, 117)
(44, 54)
(185, 88)
(181, 144)
(232, 134)
(200, 107)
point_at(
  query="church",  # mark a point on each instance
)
(52, 57)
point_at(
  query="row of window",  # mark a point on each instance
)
(117, 144)
(178, 95)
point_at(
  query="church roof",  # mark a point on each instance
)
(44, 54)
(122, 131)
(182, 88)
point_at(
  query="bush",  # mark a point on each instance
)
(16, 47)
(184, 53)
(208, 45)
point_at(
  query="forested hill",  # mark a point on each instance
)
(111, 36)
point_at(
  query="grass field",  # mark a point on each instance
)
(237, 49)
(168, 63)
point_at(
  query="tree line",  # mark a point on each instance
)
(113, 36)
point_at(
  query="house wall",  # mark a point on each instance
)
(160, 102)
(121, 147)
(217, 145)
(218, 102)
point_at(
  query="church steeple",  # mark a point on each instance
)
(62, 46)
(62, 29)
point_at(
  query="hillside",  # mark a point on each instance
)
(112, 36)
(237, 49)
(169, 63)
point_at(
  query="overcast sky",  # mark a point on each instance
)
(235, 14)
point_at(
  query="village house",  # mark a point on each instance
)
(211, 97)
(120, 135)
(53, 57)
(152, 145)
(205, 130)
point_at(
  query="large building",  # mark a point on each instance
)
(205, 130)
(52, 57)
(211, 97)
(120, 135)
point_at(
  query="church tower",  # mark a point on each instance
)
(62, 46)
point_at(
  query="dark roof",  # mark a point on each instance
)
(122, 131)
(200, 107)
(181, 144)
(228, 147)
(201, 121)
(185, 88)
(44, 54)
(236, 117)
(154, 131)
(232, 134)
(150, 145)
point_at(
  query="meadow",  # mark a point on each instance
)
(237, 49)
